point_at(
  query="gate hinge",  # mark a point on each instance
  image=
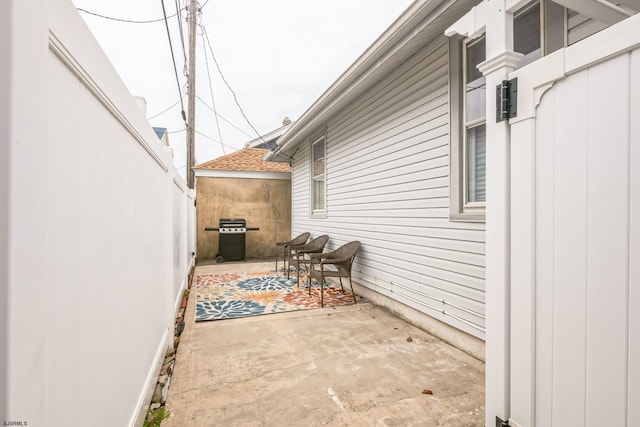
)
(501, 423)
(507, 99)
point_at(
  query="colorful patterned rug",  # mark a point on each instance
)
(226, 296)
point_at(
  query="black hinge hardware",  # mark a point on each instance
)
(507, 100)
(501, 423)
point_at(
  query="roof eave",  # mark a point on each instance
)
(267, 136)
(399, 34)
(240, 174)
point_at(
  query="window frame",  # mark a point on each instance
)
(460, 209)
(470, 207)
(553, 36)
(553, 26)
(317, 137)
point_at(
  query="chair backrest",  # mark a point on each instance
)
(300, 240)
(317, 244)
(349, 251)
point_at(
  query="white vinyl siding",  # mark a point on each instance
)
(580, 27)
(388, 186)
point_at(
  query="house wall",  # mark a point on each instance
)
(96, 231)
(264, 203)
(388, 186)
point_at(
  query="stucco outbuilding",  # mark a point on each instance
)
(243, 185)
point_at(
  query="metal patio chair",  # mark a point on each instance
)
(286, 247)
(301, 254)
(337, 263)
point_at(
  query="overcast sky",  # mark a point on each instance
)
(278, 56)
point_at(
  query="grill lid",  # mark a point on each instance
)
(232, 223)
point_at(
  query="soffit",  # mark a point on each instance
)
(423, 22)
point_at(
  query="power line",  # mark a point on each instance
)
(129, 21)
(173, 58)
(222, 117)
(235, 98)
(213, 102)
(176, 131)
(215, 140)
(167, 109)
(184, 51)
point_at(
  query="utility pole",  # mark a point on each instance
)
(191, 106)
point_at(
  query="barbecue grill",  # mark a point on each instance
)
(232, 242)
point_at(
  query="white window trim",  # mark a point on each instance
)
(553, 36)
(459, 210)
(317, 136)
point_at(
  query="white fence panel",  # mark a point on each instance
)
(585, 346)
(100, 230)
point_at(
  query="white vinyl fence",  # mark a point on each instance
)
(576, 236)
(96, 229)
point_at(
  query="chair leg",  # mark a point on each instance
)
(307, 272)
(322, 292)
(276, 259)
(354, 294)
(340, 278)
(287, 265)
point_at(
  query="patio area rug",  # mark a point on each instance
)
(227, 296)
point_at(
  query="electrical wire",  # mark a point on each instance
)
(184, 50)
(213, 102)
(235, 98)
(129, 21)
(173, 58)
(215, 140)
(164, 111)
(222, 117)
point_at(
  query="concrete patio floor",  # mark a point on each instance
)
(356, 365)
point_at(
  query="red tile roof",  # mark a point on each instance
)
(247, 159)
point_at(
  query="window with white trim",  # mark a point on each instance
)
(468, 93)
(318, 174)
(474, 126)
(526, 33)
(538, 30)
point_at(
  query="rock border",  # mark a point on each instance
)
(161, 390)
